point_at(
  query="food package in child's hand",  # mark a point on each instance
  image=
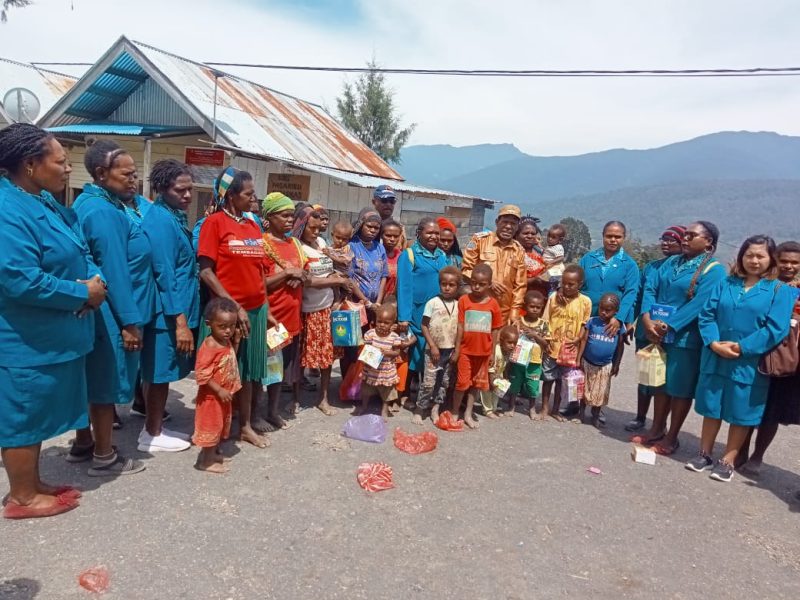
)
(415, 443)
(375, 477)
(567, 355)
(350, 389)
(572, 386)
(277, 337)
(274, 367)
(522, 351)
(501, 386)
(448, 422)
(346, 328)
(652, 364)
(371, 356)
(366, 428)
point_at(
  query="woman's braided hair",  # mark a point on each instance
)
(713, 233)
(20, 142)
(165, 172)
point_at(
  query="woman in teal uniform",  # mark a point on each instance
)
(610, 270)
(123, 253)
(745, 317)
(683, 284)
(169, 342)
(49, 287)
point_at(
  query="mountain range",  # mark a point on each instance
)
(746, 182)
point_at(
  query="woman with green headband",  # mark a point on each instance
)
(231, 257)
(286, 275)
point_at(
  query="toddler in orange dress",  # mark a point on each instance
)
(217, 375)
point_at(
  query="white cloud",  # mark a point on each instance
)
(542, 116)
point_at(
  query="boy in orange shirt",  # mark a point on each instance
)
(479, 321)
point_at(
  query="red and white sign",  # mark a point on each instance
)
(206, 157)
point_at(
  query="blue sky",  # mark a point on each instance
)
(540, 116)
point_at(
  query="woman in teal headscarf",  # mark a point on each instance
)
(49, 287)
(111, 222)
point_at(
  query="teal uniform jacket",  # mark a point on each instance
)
(621, 277)
(43, 256)
(123, 252)
(757, 320)
(664, 286)
(641, 338)
(416, 284)
(174, 266)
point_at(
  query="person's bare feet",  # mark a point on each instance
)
(277, 422)
(216, 468)
(435, 412)
(259, 425)
(326, 408)
(492, 415)
(292, 408)
(247, 434)
(510, 412)
(416, 419)
(556, 416)
(394, 407)
(470, 422)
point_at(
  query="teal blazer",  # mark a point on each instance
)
(621, 278)
(757, 320)
(43, 256)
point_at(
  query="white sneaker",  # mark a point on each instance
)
(161, 443)
(176, 434)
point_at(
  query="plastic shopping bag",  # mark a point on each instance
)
(274, 367)
(572, 386)
(350, 389)
(375, 477)
(415, 443)
(652, 364)
(448, 422)
(367, 428)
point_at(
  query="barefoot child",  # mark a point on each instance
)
(553, 256)
(439, 327)
(217, 375)
(525, 379)
(382, 381)
(566, 312)
(599, 356)
(500, 370)
(479, 321)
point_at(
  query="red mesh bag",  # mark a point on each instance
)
(415, 443)
(95, 580)
(375, 477)
(448, 422)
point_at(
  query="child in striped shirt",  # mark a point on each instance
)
(383, 380)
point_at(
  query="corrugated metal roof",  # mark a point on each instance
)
(249, 116)
(118, 129)
(48, 86)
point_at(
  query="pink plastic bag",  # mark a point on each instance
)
(415, 443)
(448, 422)
(95, 579)
(375, 477)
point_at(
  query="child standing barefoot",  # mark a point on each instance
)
(500, 370)
(566, 312)
(525, 379)
(382, 381)
(479, 321)
(599, 356)
(439, 327)
(217, 375)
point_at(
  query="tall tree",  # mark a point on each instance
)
(9, 4)
(367, 109)
(578, 241)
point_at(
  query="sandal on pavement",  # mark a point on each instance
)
(643, 440)
(666, 450)
(114, 466)
(63, 504)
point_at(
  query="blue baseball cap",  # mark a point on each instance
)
(383, 192)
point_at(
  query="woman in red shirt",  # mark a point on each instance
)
(285, 264)
(233, 266)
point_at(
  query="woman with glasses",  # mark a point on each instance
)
(746, 316)
(681, 286)
(671, 241)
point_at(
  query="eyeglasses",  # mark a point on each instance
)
(387, 200)
(690, 235)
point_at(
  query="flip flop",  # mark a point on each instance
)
(643, 440)
(666, 451)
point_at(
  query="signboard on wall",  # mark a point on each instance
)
(206, 163)
(297, 187)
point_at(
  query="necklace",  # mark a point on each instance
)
(238, 219)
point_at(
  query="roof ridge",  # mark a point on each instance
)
(38, 68)
(231, 75)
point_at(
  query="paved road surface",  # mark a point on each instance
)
(506, 512)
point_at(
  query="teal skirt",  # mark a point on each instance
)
(161, 361)
(252, 353)
(39, 403)
(683, 371)
(110, 369)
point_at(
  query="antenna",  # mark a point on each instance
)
(22, 105)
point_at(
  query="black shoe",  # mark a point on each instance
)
(79, 454)
(700, 463)
(140, 410)
(571, 410)
(635, 425)
(722, 471)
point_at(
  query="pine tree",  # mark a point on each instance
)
(8, 4)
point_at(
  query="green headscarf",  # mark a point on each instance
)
(276, 202)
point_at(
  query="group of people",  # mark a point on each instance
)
(118, 293)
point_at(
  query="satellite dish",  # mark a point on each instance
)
(22, 105)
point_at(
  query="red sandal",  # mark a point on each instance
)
(666, 450)
(63, 504)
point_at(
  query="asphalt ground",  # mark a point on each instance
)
(509, 511)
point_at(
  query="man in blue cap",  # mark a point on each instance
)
(384, 199)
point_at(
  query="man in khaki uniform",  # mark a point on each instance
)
(505, 256)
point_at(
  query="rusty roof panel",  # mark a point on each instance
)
(263, 121)
(48, 85)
